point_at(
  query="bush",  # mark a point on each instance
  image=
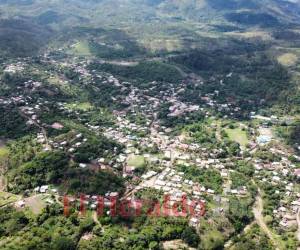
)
(63, 243)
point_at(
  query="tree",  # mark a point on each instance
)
(153, 245)
(86, 225)
(190, 236)
(63, 243)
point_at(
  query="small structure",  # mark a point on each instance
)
(57, 125)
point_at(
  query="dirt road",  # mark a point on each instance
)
(258, 214)
(298, 222)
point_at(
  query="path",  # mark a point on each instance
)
(258, 214)
(259, 219)
(298, 222)
(2, 142)
(95, 218)
(37, 125)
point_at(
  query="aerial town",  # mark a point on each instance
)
(159, 157)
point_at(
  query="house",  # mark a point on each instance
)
(101, 160)
(44, 189)
(57, 126)
(224, 174)
(297, 172)
(210, 191)
(71, 150)
(78, 136)
(263, 139)
(234, 191)
(20, 204)
(296, 203)
(114, 194)
(194, 221)
(282, 209)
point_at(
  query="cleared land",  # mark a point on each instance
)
(287, 59)
(7, 198)
(176, 244)
(36, 203)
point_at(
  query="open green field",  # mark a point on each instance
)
(81, 48)
(3, 153)
(83, 106)
(136, 161)
(238, 135)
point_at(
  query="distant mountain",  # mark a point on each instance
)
(182, 20)
(243, 12)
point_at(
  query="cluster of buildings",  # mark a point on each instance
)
(171, 150)
(14, 68)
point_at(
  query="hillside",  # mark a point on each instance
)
(176, 32)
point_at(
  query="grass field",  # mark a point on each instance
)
(83, 106)
(55, 80)
(169, 45)
(136, 161)
(3, 153)
(81, 48)
(238, 135)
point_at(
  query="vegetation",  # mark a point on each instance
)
(13, 125)
(29, 167)
(291, 134)
(209, 178)
(144, 71)
(53, 231)
(240, 213)
(45, 168)
(253, 239)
